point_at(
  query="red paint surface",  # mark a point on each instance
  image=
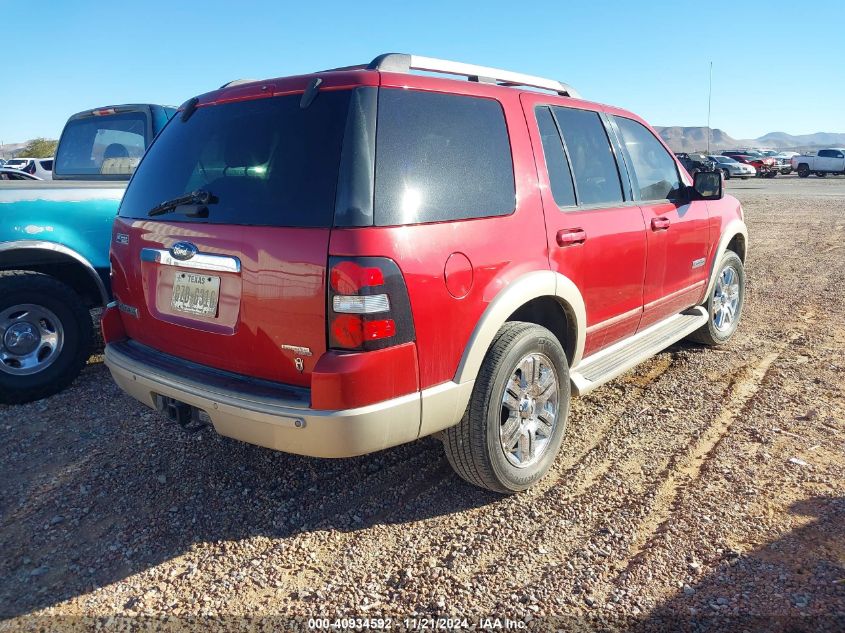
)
(343, 380)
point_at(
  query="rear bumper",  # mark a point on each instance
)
(261, 413)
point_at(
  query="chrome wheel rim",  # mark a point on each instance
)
(529, 410)
(726, 299)
(31, 339)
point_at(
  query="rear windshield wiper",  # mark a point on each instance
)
(198, 197)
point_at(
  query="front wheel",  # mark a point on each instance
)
(45, 336)
(514, 424)
(725, 303)
(727, 174)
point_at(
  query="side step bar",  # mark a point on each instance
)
(612, 361)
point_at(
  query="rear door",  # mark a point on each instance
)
(677, 227)
(237, 281)
(595, 233)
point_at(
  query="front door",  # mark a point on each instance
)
(596, 236)
(677, 227)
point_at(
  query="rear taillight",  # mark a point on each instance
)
(368, 305)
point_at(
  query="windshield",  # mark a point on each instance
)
(16, 163)
(264, 161)
(102, 145)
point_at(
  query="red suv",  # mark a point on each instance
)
(337, 263)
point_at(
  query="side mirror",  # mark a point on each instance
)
(708, 185)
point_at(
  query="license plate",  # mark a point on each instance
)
(196, 294)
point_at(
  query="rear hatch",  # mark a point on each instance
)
(231, 273)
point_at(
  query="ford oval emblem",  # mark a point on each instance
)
(183, 250)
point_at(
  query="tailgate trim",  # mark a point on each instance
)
(200, 261)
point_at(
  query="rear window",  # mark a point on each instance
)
(441, 157)
(265, 162)
(110, 145)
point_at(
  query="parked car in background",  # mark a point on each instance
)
(732, 168)
(2, 161)
(16, 174)
(54, 244)
(41, 167)
(766, 166)
(695, 163)
(379, 303)
(826, 161)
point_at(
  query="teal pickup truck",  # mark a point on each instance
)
(54, 247)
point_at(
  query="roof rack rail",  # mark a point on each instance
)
(237, 82)
(403, 63)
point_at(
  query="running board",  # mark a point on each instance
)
(607, 364)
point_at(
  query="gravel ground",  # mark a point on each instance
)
(705, 491)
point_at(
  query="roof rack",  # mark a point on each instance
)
(403, 63)
(237, 82)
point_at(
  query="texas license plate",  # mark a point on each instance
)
(195, 294)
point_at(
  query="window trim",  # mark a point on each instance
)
(682, 198)
(626, 201)
(569, 207)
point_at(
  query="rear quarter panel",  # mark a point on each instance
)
(499, 249)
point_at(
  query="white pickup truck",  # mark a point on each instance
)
(826, 161)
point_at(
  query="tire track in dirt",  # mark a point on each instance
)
(686, 468)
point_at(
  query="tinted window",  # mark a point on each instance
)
(593, 163)
(654, 172)
(109, 145)
(825, 153)
(265, 161)
(440, 157)
(560, 176)
(47, 165)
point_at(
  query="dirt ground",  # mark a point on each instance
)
(703, 491)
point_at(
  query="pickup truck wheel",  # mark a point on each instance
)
(514, 424)
(821, 174)
(803, 170)
(725, 303)
(45, 336)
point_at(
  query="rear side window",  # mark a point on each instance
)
(440, 157)
(47, 165)
(594, 166)
(655, 173)
(825, 153)
(560, 176)
(102, 145)
(265, 162)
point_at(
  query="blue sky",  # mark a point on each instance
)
(649, 57)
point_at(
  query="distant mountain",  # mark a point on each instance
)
(691, 139)
(819, 139)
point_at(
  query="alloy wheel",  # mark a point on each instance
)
(530, 407)
(726, 299)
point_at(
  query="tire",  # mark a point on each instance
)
(716, 331)
(475, 447)
(51, 339)
(821, 174)
(803, 170)
(727, 174)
